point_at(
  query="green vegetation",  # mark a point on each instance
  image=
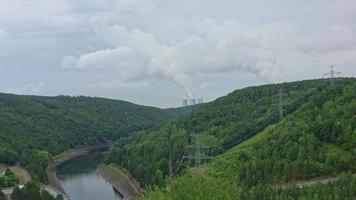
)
(10, 179)
(153, 155)
(318, 140)
(2, 196)
(32, 191)
(207, 188)
(255, 155)
(33, 128)
(343, 189)
(180, 111)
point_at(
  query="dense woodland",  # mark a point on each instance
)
(180, 111)
(254, 153)
(2, 196)
(33, 128)
(152, 155)
(318, 140)
(32, 191)
(207, 188)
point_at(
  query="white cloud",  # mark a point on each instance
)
(336, 38)
(115, 84)
(30, 88)
(101, 59)
(34, 87)
(3, 33)
(127, 44)
(210, 47)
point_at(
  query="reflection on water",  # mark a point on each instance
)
(82, 182)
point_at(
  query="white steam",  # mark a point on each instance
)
(208, 47)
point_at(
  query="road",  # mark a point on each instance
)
(121, 181)
(308, 183)
(54, 192)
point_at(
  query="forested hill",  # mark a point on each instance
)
(318, 140)
(179, 111)
(34, 125)
(152, 155)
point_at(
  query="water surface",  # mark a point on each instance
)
(81, 180)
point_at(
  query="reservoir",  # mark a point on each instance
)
(82, 181)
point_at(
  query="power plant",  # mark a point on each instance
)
(185, 102)
(200, 100)
(192, 101)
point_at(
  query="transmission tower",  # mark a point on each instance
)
(332, 74)
(280, 104)
(199, 155)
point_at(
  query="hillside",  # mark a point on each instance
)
(33, 127)
(152, 155)
(318, 140)
(179, 111)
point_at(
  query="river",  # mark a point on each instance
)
(82, 181)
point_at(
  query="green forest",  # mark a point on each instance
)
(9, 179)
(33, 128)
(32, 191)
(317, 138)
(198, 187)
(179, 111)
(152, 155)
(254, 153)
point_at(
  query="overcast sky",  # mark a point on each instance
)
(156, 52)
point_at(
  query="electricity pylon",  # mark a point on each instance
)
(280, 104)
(332, 74)
(199, 155)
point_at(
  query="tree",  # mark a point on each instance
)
(10, 179)
(31, 191)
(2, 196)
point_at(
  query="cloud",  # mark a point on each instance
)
(34, 87)
(210, 47)
(84, 6)
(114, 84)
(3, 33)
(334, 39)
(101, 59)
(126, 44)
(30, 88)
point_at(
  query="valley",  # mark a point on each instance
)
(177, 100)
(254, 151)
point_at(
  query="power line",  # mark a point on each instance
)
(280, 104)
(199, 155)
(260, 125)
(332, 74)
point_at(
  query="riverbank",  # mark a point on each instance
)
(64, 157)
(121, 180)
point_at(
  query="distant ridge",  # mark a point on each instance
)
(33, 126)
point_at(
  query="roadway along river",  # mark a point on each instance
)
(81, 181)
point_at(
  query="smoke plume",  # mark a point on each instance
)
(208, 47)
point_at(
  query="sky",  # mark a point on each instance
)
(157, 52)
